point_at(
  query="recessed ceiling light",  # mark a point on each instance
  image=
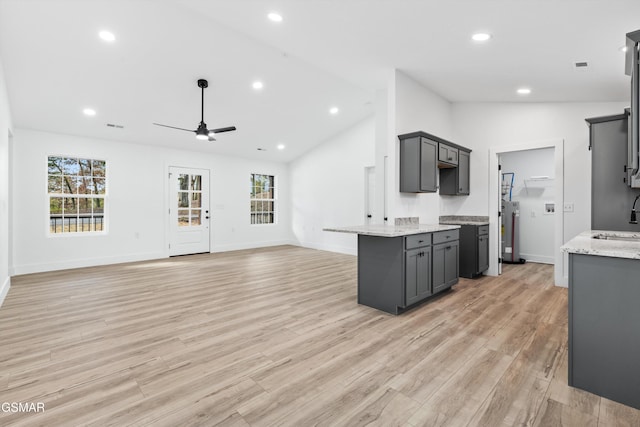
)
(280, 147)
(89, 112)
(481, 37)
(107, 36)
(524, 91)
(257, 85)
(275, 17)
(623, 49)
(334, 110)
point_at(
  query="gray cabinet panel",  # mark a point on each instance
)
(446, 236)
(611, 198)
(428, 165)
(445, 265)
(455, 181)
(474, 250)
(483, 253)
(417, 275)
(463, 173)
(604, 338)
(418, 165)
(417, 240)
(447, 155)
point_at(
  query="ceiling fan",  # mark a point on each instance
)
(202, 132)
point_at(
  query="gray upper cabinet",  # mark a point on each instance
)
(455, 181)
(422, 155)
(418, 164)
(447, 156)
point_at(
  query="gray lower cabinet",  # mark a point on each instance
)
(417, 279)
(455, 181)
(604, 337)
(474, 250)
(395, 273)
(445, 265)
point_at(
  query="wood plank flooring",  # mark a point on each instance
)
(275, 337)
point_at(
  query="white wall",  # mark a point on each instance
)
(327, 188)
(536, 229)
(5, 126)
(137, 202)
(481, 126)
(416, 108)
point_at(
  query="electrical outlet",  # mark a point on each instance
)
(568, 207)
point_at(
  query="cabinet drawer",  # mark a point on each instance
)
(447, 154)
(417, 240)
(483, 229)
(446, 236)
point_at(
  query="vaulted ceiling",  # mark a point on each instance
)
(324, 53)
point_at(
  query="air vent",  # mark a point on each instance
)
(111, 125)
(581, 66)
(262, 149)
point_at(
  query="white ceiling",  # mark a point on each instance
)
(324, 53)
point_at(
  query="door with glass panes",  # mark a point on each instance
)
(188, 211)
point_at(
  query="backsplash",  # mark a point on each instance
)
(409, 220)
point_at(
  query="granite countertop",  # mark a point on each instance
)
(464, 220)
(392, 230)
(617, 244)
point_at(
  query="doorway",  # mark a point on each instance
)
(495, 198)
(369, 194)
(188, 211)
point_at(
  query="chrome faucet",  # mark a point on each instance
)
(633, 219)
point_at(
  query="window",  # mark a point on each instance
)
(77, 194)
(263, 199)
(189, 200)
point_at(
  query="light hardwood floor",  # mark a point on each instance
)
(275, 337)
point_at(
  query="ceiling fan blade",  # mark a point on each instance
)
(173, 127)
(220, 130)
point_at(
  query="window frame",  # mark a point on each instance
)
(274, 199)
(105, 197)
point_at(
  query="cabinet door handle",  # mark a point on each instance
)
(448, 247)
(420, 241)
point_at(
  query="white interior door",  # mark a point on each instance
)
(369, 194)
(188, 211)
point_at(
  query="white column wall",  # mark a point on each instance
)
(328, 190)
(5, 153)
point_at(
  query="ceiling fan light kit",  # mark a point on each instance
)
(202, 132)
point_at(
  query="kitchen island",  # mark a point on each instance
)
(604, 314)
(401, 266)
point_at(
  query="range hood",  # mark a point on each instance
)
(632, 68)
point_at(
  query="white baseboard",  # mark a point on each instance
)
(87, 262)
(252, 245)
(4, 289)
(542, 259)
(347, 250)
